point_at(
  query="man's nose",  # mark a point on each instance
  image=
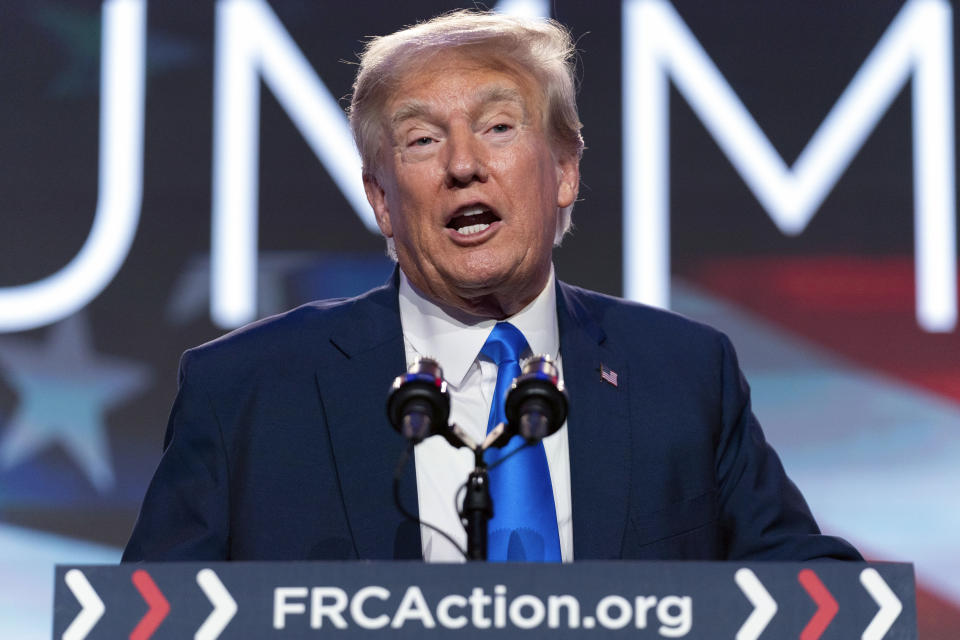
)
(466, 159)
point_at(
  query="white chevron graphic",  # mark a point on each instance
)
(224, 606)
(764, 607)
(890, 605)
(92, 606)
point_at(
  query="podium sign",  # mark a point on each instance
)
(709, 600)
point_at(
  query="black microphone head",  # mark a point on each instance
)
(418, 405)
(536, 405)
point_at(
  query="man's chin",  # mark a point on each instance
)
(497, 296)
(481, 284)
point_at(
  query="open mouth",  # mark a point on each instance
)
(472, 220)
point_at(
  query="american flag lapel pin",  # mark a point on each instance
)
(608, 375)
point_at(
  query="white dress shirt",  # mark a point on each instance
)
(430, 331)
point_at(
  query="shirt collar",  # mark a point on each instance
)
(455, 341)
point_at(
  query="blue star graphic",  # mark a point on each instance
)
(65, 390)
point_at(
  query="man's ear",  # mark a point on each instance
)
(568, 179)
(378, 200)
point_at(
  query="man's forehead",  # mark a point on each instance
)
(407, 106)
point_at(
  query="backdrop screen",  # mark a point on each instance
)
(781, 170)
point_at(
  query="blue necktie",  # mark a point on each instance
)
(524, 524)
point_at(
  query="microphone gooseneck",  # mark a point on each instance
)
(536, 404)
(418, 405)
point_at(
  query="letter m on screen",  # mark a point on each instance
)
(658, 46)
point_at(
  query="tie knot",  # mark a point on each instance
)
(504, 344)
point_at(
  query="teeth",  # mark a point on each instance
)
(472, 229)
(473, 211)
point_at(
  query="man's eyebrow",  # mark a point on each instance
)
(490, 95)
(487, 96)
(409, 111)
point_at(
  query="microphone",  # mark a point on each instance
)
(418, 405)
(536, 404)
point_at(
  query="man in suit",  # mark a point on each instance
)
(278, 446)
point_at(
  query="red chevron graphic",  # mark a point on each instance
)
(826, 605)
(159, 607)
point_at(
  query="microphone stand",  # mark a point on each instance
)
(477, 508)
(477, 503)
(418, 405)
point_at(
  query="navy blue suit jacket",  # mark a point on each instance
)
(278, 446)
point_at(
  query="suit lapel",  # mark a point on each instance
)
(365, 447)
(598, 430)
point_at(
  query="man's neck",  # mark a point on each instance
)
(455, 338)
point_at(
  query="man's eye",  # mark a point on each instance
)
(500, 128)
(422, 141)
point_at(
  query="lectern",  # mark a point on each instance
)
(703, 600)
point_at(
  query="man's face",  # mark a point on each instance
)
(468, 185)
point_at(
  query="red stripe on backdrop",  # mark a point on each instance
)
(861, 308)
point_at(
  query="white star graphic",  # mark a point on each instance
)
(65, 390)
